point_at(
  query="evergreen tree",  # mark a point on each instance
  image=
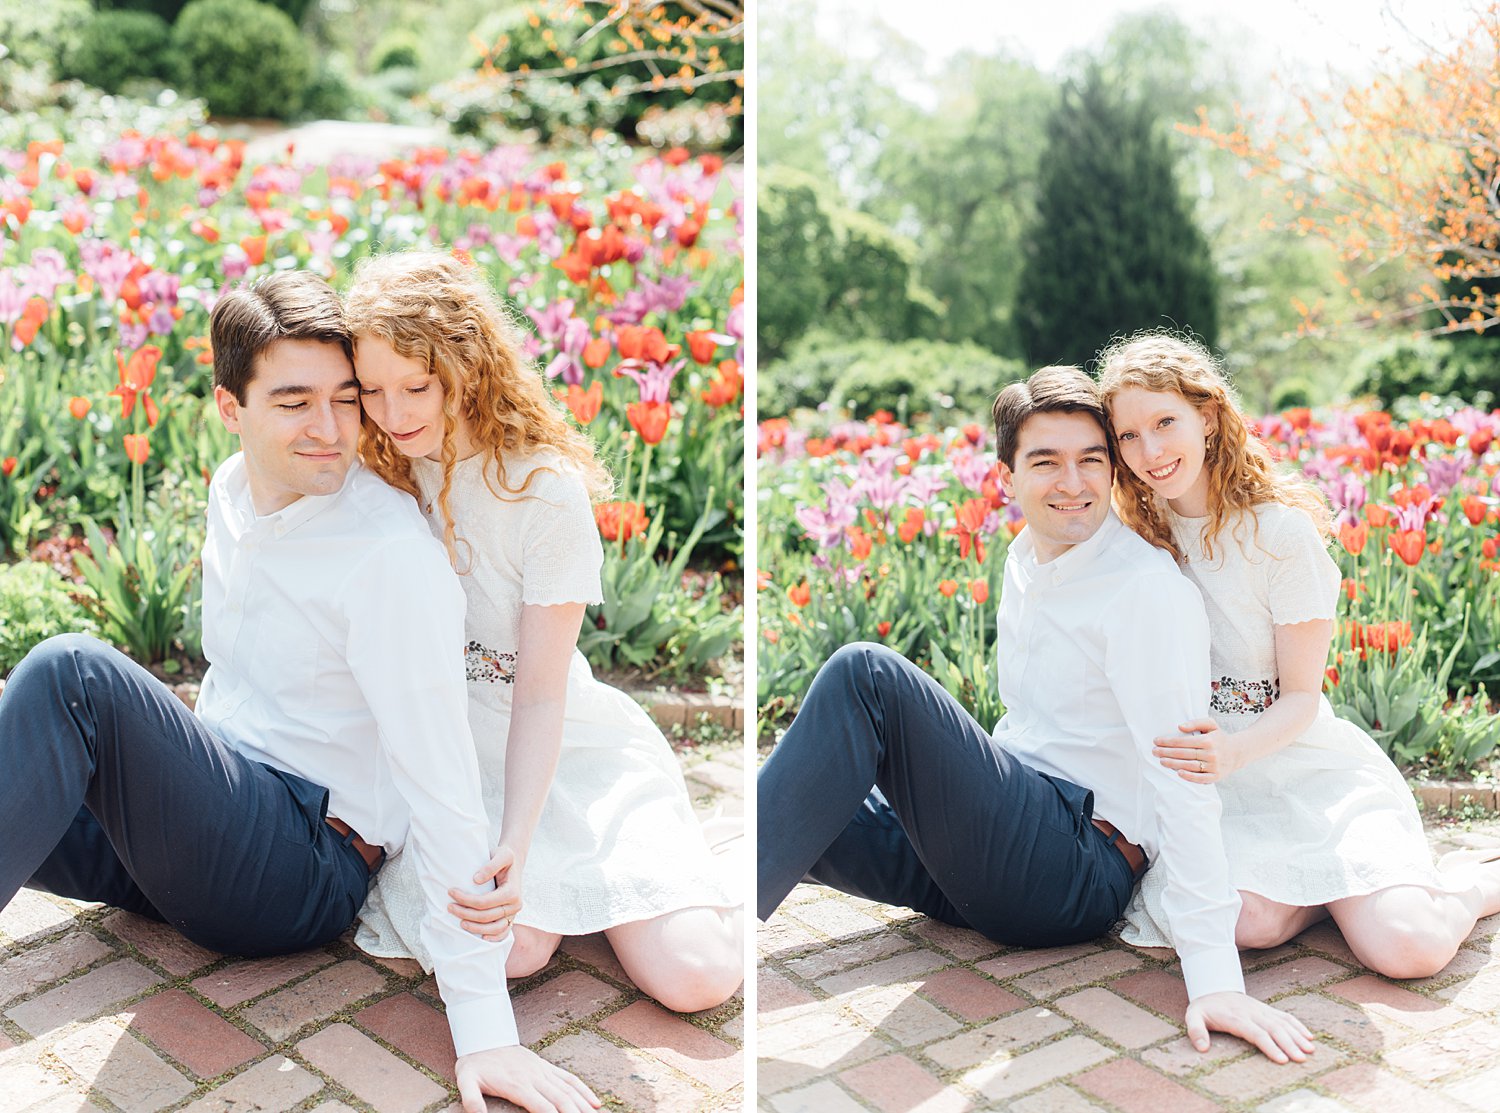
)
(1113, 248)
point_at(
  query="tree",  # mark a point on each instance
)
(960, 179)
(1400, 176)
(824, 264)
(1113, 248)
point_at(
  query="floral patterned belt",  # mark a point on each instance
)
(489, 665)
(1232, 696)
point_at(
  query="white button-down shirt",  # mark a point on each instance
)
(1100, 651)
(334, 633)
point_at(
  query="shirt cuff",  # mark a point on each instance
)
(1214, 971)
(481, 1025)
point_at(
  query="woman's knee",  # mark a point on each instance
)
(1263, 923)
(692, 982)
(530, 952)
(1410, 949)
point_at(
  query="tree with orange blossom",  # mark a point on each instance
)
(1400, 176)
(640, 47)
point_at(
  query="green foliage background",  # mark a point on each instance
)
(952, 161)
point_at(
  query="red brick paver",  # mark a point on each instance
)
(102, 1011)
(911, 1015)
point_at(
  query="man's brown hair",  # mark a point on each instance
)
(1050, 390)
(288, 305)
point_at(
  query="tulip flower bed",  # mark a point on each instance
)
(873, 531)
(627, 269)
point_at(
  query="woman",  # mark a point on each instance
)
(592, 823)
(1317, 821)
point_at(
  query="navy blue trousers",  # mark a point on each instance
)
(886, 788)
(112, 791)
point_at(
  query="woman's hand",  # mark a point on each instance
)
(490, 914)
(1201, 753)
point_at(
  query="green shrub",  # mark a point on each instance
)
(169, 10)
(1466, 367)
(1295, 391)
(397, 49)
(35, 604)
(116, 47)
(41, 34)
(243, 57)
(957, 381)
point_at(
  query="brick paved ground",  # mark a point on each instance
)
(862, 1008)
(103, 1010)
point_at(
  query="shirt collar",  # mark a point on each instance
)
(1076, 559)
(290, 516)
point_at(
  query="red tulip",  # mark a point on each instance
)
(1409, 545)
(137, 448)
(649, 419)
(585, 404)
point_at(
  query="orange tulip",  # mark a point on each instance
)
(971, 517)
(595, 352)
(726, 386)
(137, 448)
(1353, 537)
(1409, 545)
(620, 521)
(909, 529)
(1479, 441)
(649, 419)
(882, 628)
(860, 543)
(254, 248)
(948, 589)
(1378, 516)
(801, 595)
(1474, 509)
(980, 590)
(79, 407)
(702, 346)
(8, 466)
(585, 404)
(136, 378)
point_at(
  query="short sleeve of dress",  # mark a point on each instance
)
(1304, 580)
(561, 551)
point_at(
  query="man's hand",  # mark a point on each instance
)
(520, 1075)
(1202, 753)
(1280, 1036)
(489, 914)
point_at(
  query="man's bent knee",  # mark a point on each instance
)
(851, 664)
(51, 663)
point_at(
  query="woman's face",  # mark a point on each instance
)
(401, 396)
(1162, 438)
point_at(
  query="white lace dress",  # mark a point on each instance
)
(1327, 817)
(617, 840)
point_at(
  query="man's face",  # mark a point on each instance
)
(299, 423)
(1061, 480)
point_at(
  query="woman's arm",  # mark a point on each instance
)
(1203, 753)
(548, 638)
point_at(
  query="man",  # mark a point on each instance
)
(883, 786)
(331, 728)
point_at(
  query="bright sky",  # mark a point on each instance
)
(1303, 36)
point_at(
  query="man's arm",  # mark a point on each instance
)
(1157, 664)
(406, 613)
(405, 650)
